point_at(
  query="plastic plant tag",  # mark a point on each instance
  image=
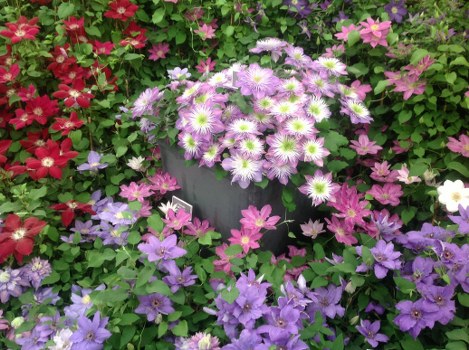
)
(179, 203)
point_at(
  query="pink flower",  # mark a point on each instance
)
(405, 177)
(173, 1)
(382, 173)
(257, 220)
(364, 146)
(102, 48)
(360, 89)
(351, 209)
(223, 263)
(145, 210)
(177, 220)
(459, 146)
(387, 194)
(158, 51)
(409, 85)
(246, 238)
(343, 35)
(421, 67)
(163, 182)
(312, 229)
(198, 228)
(294, 251)
(136, 191)
(204, 67)
(375, 33)
(343, 231)
(205, 32)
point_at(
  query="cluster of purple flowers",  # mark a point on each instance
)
(263, 121)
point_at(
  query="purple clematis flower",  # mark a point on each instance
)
(328, 302)
(90, 335)
(462, 220)
(370, 331)
(154, 304)
(396, 10)
(165, 250)
(94, 163)
(441, 297)
(416, 316)
(385, 258)
(178, 279)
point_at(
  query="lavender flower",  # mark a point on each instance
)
(203, 341)
(36, 271)
(90, 335)
(144, 103)
(247, 340)
(328, 302)
(47, 325)
(113, 234)
(272, 45)
(81, 301)
(385, 258)
(441, 297)
(178, 279)
(12, 283)
(462, 220)
(46, 296)
(243, 169)
(300, 8)
(4, 324)
(256, 81)
(165, 250)
(414, 317)
(370, 331)
(396, 10)
(153, 305)
(94, 163)
(178, 73)
(32, 340)
(282, 322)
(117, 214)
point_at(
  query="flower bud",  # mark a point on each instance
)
(354, 320)
(350, 288)
(17, 322)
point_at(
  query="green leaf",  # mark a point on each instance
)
(230, 294)
(65, 9)
(334, 140)
(404, 285)
(128, 319)
(145, 274)
(158, 15)
(133, 56)
(358, 69)
(155, 222)
(336, 165)
(233, 250)
(181, 329)
(418, 55)
(451, 77)
(457, 345)
(417, 169)
(458, 334)
(459, 168)
(353, 37)
(229, 30)
(459, 61)
(127, 335)
(121, 150)
(463, 299)
(408, 214)
(180, 37)
(35, 194)
(158, 287)
(318, 251)
(410, 344)
(404, 116)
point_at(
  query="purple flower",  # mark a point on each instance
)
(165, 250)
(298, 7)
(11, 283)
(370, 331)
(421, 271)
(385, 258)
(328, 302)
(374, 307)
(117, 214)
(144, 103)
(285, 342)
(247, 340)
(243, 169)
(257, 81)
(414, 317)
(356, 110)
(441, 297)
(81, 301)
(204, 341)
(272, 45)
(396, 10)
(32, 340)
(48, 325)
(94, 163)
(113, 234)
(282, 321)
(85, 229)
(178, 73)
(46, 296)
(90, 335)
(462, 220)
(36, 271)
(153, 305)
(178, 279)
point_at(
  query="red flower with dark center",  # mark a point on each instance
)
(7, 76)
(133, 29)
(23, 29)
(49, 162)
(67, 124)
(41, 108)
(4, 145)
(74, 96)
(35, 140)
(121, 10)
(17, 237)
(70, 208)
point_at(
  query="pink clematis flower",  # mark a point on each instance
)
(246, 238)
(460, 146)
(343, 35)
(405, 177)
(364, 146)
(178, 220)
(205, 32)
(382, 173)
(375, 33)
(204, 67)
(158, 51)
(257, 220)
(136, 192)
(343, 231)
(387, 194)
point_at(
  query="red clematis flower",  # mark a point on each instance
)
(26, 94)
(17, 238)
(4, 145)
(7, 76)
(66, 125)
(74, 96)
(49, 162)
(22, 119)
(121, 10)
(72, 73)
(35, 140)
(65, 149)
(60, 59)
(102, 48)
(23, 29)
(5, 117)
(70, 208)
(41, 108)
(75, 25)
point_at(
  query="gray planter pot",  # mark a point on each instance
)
(221, 202)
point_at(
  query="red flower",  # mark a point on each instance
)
(73, 25)
(15, 169)
(7, 76)
(74, 96)
(121, 10)
(71, 73)
(23, 29)
(26, 94)
(65, 150)
(22, 119)
(35, 140)
(60, 59)
(49, 162)
(17, 238)
(66, 125)
(70, 208)
(5, 117)
(4, 145)
(41, 108)
(138, 42)
(102, 48)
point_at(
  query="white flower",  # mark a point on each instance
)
(318, 109)
(166, 207)
(452, 194)
(332, 65)
(252, 147)
(136, 163)
(62, 340)
(284, 148)
(299, 126)
(243, 127)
